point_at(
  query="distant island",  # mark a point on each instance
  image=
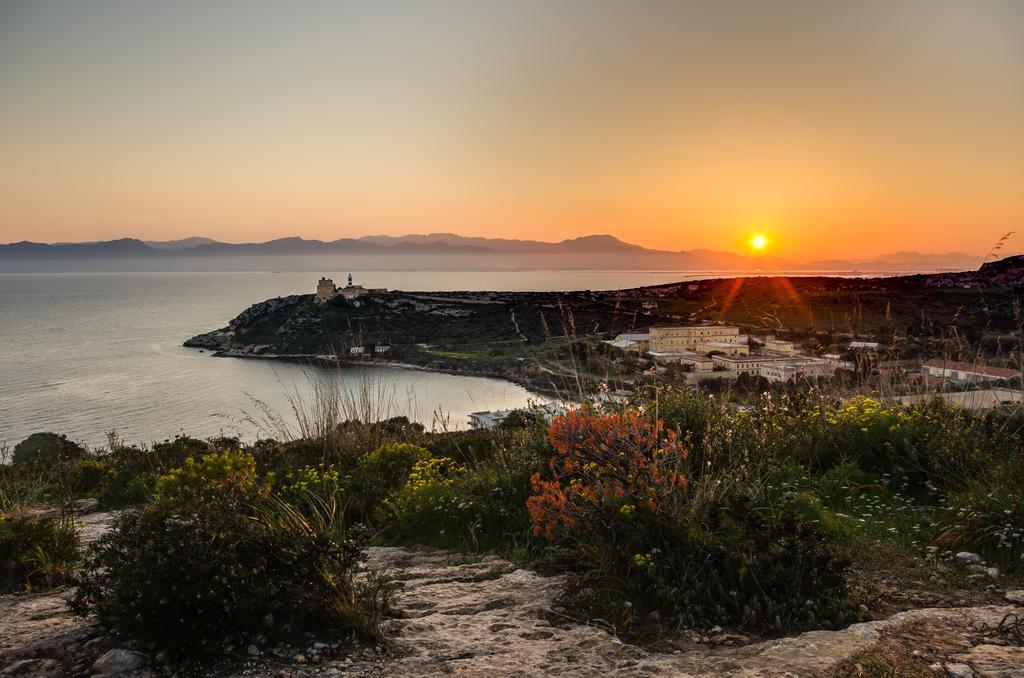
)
(435, 251)
(543, 339)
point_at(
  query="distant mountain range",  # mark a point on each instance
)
(593, 251)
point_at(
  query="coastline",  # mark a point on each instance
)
(331, 361)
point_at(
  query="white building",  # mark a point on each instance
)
(726, 347)
(965, 373)
(836, 362)
(491, 418)
(689, 337)
(981, 399)
(487, 419)
(697, 361)
(631, 341)
(795, 368)
(741, 364)
(782, 347)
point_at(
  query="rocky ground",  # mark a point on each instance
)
(465, 615)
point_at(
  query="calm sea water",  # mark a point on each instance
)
(85, 353)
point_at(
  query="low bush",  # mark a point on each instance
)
(617, 499)
(475, 506)
(428, 507)
(131, 472)
(217, 558)
(36, 552)
(380, 474)
(46, 447)
(90, 476)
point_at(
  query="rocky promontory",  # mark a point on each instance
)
(532, 337)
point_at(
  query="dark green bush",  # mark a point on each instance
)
(90, 477)
(35, 551)
(217, 558)
(133, 472)
(378, 474)
(45, 447)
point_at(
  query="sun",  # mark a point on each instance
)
(758, 242)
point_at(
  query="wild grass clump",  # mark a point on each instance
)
(36, 551)
(217, 558)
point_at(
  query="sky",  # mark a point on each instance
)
(835, 129)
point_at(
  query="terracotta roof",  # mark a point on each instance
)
(972, 368)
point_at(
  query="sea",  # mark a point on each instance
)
(87, 354)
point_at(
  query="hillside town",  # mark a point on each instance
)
(702, 353)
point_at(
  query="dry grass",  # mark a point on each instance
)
(340, 409)
(906, 651)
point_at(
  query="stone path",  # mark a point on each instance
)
(484, 619)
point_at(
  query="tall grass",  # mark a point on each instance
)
(339, 410)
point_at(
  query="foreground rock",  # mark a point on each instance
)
(489, 618)
(40, 637)
(485, 617)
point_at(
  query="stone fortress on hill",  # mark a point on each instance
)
(327, 290)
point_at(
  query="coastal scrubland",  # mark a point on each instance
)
(674, 511)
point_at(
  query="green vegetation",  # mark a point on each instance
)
(44, 447)
(35, 552)
(676, 509)
(217, 558)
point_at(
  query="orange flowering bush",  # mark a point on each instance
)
(603, 467)
(648, 538)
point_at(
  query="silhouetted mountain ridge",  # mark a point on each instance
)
(599, 251)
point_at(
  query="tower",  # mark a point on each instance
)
(325, 290)
(350, 280)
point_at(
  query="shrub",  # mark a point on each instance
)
(217, 558)
(379, 474)
(618, 501)
(35, 551)
(495, 492)
(479, 506)
(428, 507)
(133, 472)
(604, 466)
(44, 447)
(90, 476)
(989, 518)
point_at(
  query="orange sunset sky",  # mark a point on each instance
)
(838, 129)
